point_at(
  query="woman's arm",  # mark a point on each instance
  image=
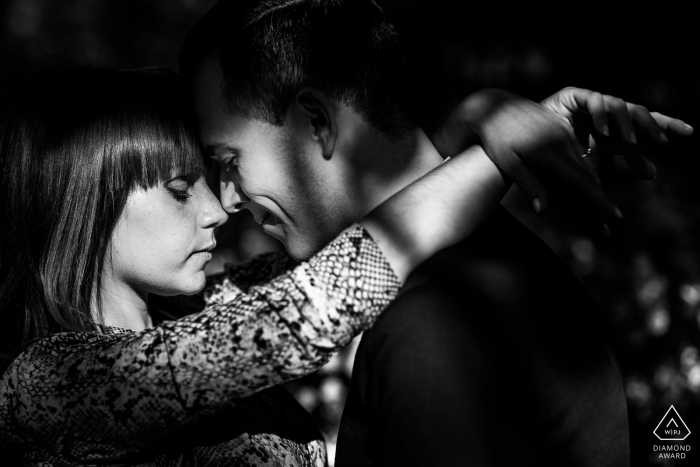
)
(436, 211)
(142, 388)
(539, 146)
(130, 391)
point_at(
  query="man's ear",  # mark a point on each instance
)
(316, 109)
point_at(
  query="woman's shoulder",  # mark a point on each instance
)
(43, 353)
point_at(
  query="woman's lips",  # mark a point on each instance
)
(205, 255)
(265, 218)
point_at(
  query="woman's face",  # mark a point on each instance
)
(164, 237)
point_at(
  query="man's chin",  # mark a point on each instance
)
(276, 232)
(298, 249)
(298, 253)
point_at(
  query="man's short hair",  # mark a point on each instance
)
(269, 49)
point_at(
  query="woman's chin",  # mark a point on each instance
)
(199, 280)
(189, 286)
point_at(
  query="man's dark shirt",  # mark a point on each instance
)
(492, 355)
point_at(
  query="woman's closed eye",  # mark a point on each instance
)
(179, 188)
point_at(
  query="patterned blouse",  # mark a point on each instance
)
(194, 391)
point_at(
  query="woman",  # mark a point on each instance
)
(104, 203)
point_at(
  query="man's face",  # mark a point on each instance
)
(276, 172)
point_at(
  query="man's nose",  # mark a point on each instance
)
(233, 198)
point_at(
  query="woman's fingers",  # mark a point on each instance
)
(672, 124)
(644, 121)
(594, 103)
(618, 109)
(526, 180)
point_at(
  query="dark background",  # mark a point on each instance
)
(645, 276)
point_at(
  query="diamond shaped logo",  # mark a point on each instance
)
(672, 427)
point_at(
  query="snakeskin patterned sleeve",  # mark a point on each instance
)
(115, 395)
(222, 287)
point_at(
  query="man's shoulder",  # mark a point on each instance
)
(502, 248)
(504, 280)
(502, 264)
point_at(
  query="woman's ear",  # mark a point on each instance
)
(318, 116)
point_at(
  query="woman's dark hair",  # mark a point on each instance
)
(73, 145)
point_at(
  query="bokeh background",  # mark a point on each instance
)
(645, 276)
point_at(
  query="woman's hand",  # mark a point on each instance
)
(590, 110)
(535, 144)
(609, 126)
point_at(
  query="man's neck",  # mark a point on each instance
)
(385, 166)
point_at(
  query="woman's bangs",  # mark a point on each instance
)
(155, 152)
(174, 153)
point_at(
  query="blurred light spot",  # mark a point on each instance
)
(638, 391)
(332, 390)
(651, 291)
(689, 357)
(583, 251)
(658, 322)
(694, 378)
(690, 293)
(690, 364)
(663, 377)
(307, 397)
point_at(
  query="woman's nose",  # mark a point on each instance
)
(217, 216)
(211, 214)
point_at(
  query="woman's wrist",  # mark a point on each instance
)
(479, 106)
(464, 126)
(437, 211)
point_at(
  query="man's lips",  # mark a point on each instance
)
(265, 217)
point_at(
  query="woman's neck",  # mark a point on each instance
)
(121, 306)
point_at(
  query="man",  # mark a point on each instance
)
(491, 356)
